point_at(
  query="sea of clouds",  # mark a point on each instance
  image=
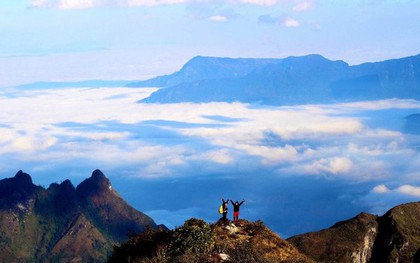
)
(299, 168)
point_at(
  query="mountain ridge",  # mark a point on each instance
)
(292, 80)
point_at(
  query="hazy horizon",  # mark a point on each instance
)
(73, 40)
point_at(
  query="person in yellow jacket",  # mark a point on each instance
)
(225, 208)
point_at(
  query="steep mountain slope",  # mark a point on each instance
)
(399, 235)
(393, 237)
(293, 80)
(63, 223)
(347, 241)
(105, 208)
(81, 242)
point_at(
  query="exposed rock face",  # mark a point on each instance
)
(399, 235)
(347, 241)
(393, 237)
(63, 223)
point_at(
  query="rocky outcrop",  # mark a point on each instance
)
(393, 237)
(347, 241)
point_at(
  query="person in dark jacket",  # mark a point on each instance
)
(236, 206)
(225, 208)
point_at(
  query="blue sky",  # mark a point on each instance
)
(300, 168)
(137, 39)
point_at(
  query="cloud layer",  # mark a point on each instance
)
(321, 140)
(356, 151)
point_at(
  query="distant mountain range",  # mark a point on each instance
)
(292, 80)
(64, 223)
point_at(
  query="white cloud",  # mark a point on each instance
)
(261, 2)
(381, 104)
(381, 189)
(218, 18)
(335, 165)
(219, 156)
(76, 4)
(21, 142)
(271, 155)
(154, 2)
(290, 22)
(409, 190)
(303, 6)
(404, 189)
(39, 3)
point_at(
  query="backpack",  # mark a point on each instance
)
(221, 209)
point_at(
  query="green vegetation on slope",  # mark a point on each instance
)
(199, 242)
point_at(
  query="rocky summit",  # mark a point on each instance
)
(198, 241)
(64, 223)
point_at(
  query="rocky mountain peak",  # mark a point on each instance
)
(98, 175)
(18, 189)
(23, 178)
(97, 183)
(99, 178)
(66, 184)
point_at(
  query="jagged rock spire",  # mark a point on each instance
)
(23, 178)
(97, 183)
